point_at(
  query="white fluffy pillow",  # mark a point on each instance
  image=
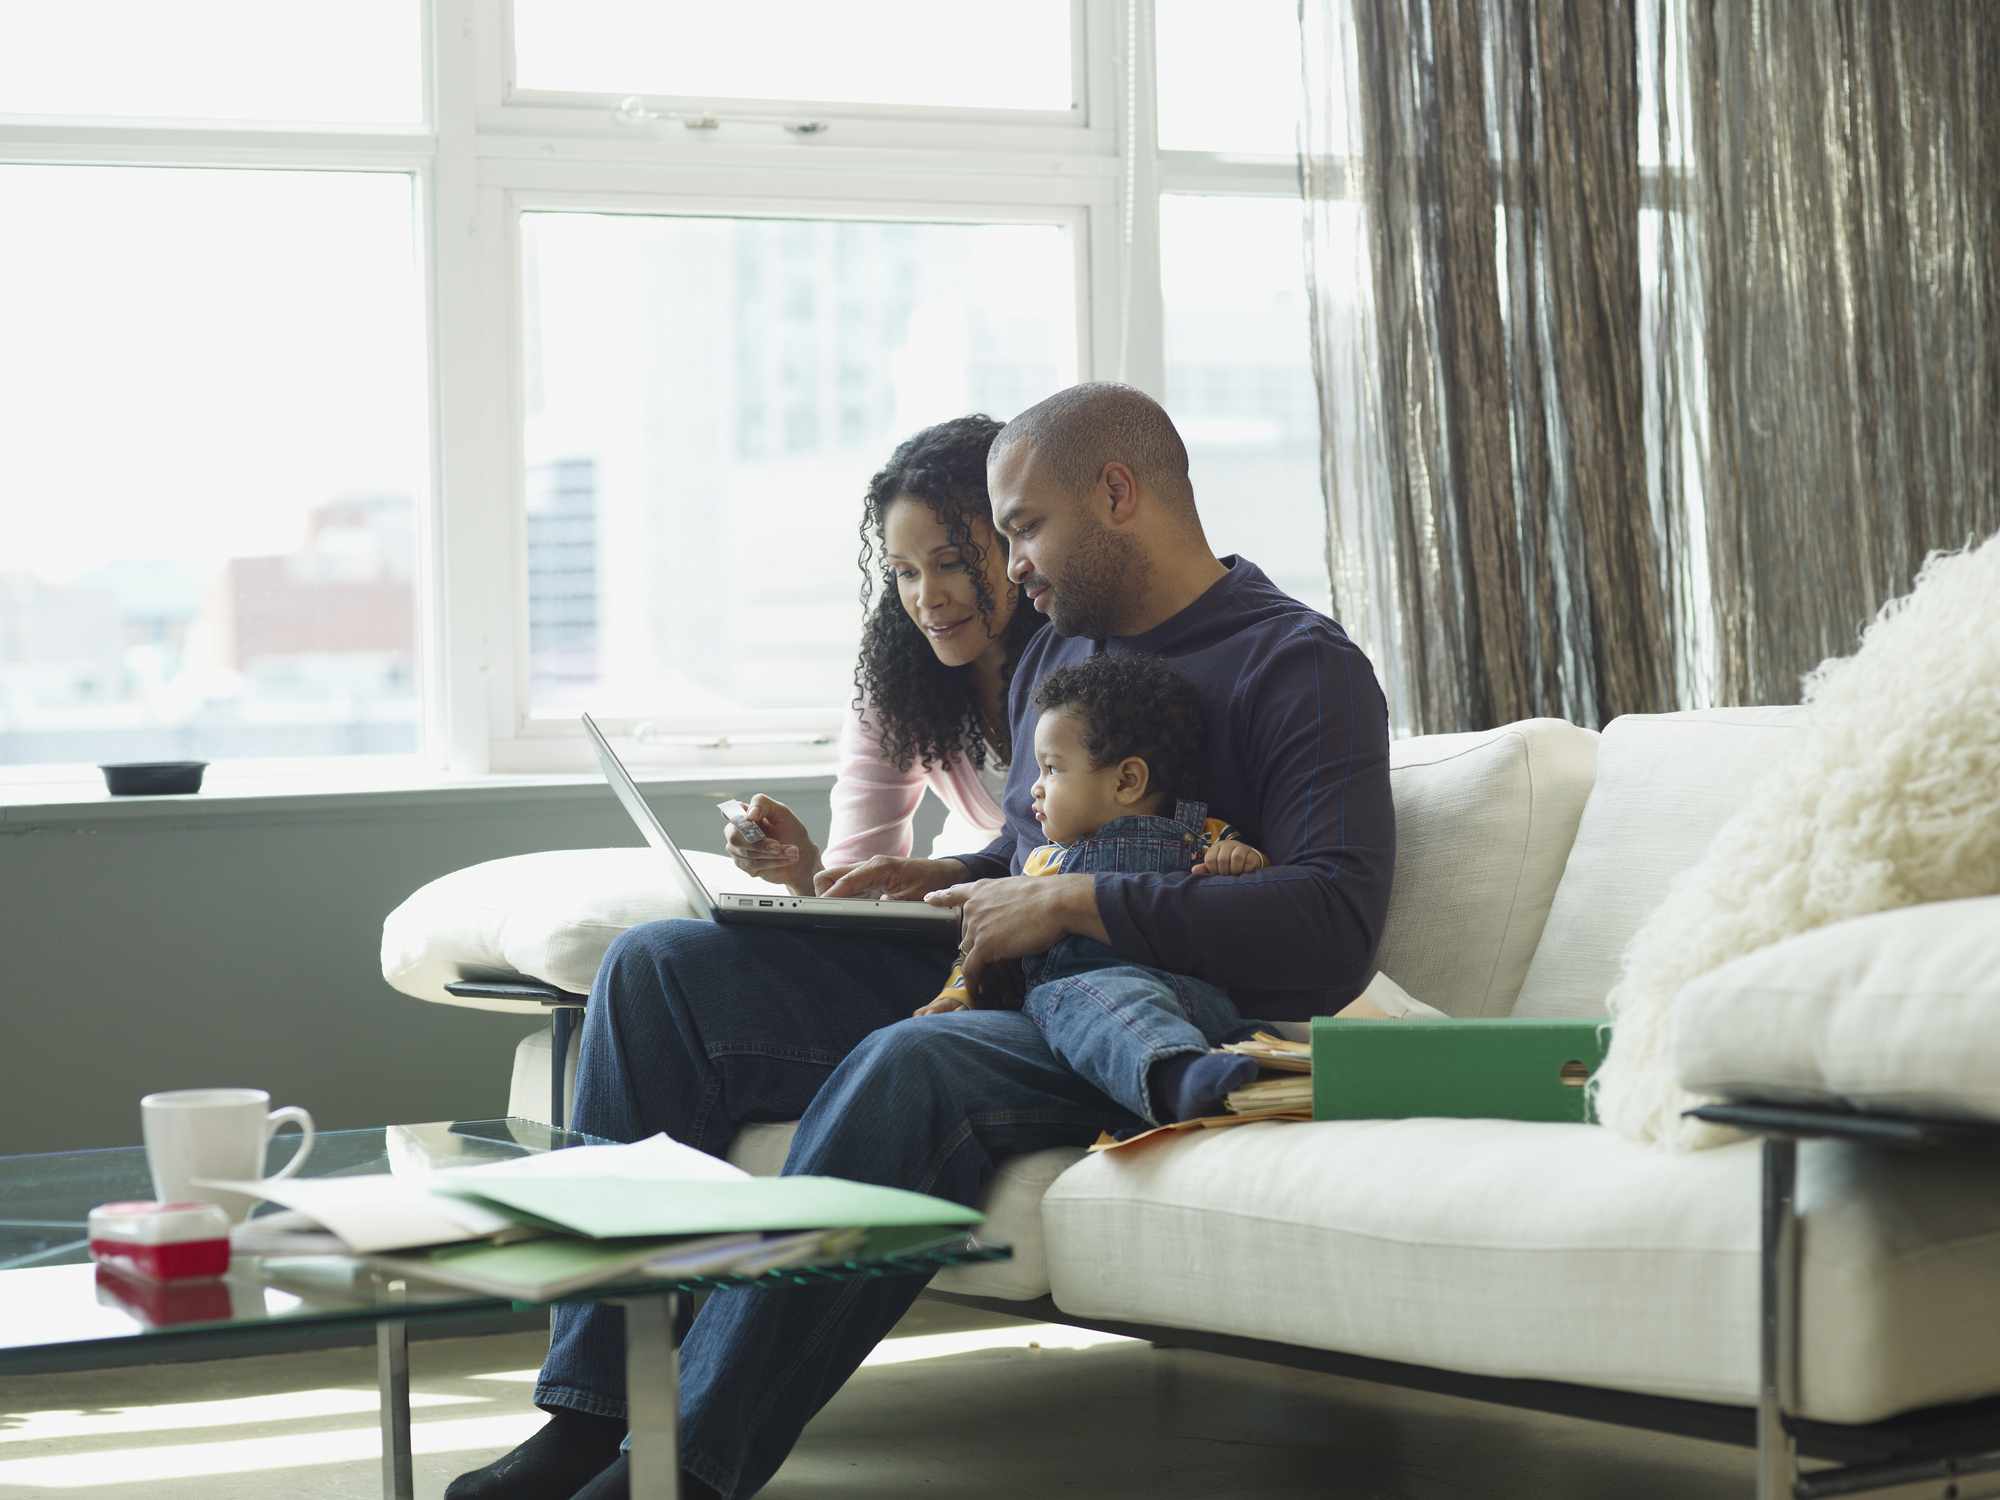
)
(1885, 800)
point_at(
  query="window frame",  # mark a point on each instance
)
(517, 150)
(504, 107)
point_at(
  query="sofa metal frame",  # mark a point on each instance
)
(563, 1006)
(1942, 1453)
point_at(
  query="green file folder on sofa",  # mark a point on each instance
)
(1485, 1070)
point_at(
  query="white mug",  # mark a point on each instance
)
(218, 1134)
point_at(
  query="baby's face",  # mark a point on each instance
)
(1073, 798)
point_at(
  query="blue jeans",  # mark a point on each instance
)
(1111, 1020)
(697, 1030)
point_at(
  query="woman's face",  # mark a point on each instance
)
(934, 580)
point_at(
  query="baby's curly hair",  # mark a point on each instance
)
(924, 710)
(1134, 704)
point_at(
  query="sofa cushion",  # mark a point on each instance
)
(1665, 783)
(1898, 1011)
(1013, 1209)
(549, 915)
(1483, 824)
(1557, 1252)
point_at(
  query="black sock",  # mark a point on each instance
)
(1192, 1085)
(615, 1483)
(566, 1454)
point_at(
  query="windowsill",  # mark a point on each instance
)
(369, 791)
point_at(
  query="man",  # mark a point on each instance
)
(697, 1029)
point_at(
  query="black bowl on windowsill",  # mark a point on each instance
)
(153, 778)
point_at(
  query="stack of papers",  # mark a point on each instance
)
(1286, 1087)
(1267, 1095)
(1274, 1054)
(545, 1226)
(1284, 1092)
(557, 1266)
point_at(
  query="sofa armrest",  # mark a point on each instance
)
(1895, 1014)
(546, 918)
(1806, 1122)
(522, 991)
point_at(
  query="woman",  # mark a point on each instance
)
(938, 648)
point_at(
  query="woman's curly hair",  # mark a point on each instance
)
(924, 710)
(1134, 704)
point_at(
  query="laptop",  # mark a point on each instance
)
(857, 914)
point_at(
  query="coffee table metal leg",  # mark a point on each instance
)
(392, 1377)
(653, 1397)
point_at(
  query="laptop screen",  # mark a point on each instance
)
(649, 825)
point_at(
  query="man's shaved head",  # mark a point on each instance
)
(1076, 432)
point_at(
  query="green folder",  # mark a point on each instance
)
(1483, 1070)
(630, 1208)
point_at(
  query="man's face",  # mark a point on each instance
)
(1078, 570)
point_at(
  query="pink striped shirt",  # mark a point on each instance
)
(874, 802)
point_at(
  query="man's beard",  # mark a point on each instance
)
(1091, 589)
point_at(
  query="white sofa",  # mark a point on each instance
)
(1528, 856)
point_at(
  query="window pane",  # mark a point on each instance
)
(1240, 383)
(707, 398)
(856, 52)
(215, 398)
(1229, 76)
(331, 62)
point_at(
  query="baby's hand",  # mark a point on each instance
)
(1230, 857)
(941, 1006)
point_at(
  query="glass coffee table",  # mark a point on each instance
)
(54, 1300)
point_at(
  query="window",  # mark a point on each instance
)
(306, 62)
(874, 52)
(1236, 349)
(1228, 76)
(393, 377)
(1239, 381)
(665, 512)
(216, 449)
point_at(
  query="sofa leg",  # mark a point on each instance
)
(559, 1022)
(1778, 1343)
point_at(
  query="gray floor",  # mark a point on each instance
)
(959, 1404)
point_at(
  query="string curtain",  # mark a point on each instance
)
(1654, 338)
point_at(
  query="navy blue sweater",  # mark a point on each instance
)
(1298, 760)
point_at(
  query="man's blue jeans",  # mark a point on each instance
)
(698, 1029)
(1111, 1020)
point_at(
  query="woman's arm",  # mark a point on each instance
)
(873, 802)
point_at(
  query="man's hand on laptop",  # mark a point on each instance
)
(886, 877)
(1015, 916)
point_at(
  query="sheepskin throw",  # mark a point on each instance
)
(1890, 797)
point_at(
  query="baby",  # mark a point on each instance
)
(1119, 748)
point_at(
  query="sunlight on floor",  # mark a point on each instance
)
(361, 1441)
(296, 1450)
(293, 1406)
(898, 1351)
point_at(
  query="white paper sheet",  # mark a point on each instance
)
(401, 1211)
(376, 1213)
(658, 1158)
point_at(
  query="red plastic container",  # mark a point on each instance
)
(163, 1241)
